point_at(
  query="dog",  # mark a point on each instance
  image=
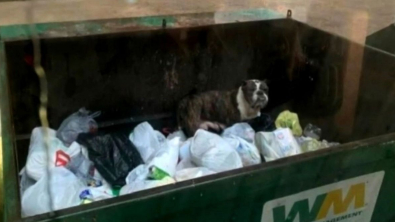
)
(216, 110)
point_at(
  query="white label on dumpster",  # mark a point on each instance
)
(351, 200)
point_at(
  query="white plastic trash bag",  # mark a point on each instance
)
(185, 149)
(138, 180)
(145, 138)
(179, 140)
(96, 193)
(37, 137)
(139, 173)
(278, 144)
(101, 193)
(144, 185)
(37, 159)
(176, 138)
(165, 158)
(213, 152)
(154, 148)
(242, 130)
(248, 152)
(26, 181)
(184, 164)
(64, 188)
(191, 173)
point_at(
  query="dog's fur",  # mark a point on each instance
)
(218, 109)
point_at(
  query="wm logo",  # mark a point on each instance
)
(322, 205)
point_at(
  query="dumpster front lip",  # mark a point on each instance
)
(167, 189)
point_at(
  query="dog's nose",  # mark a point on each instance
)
(260, 93)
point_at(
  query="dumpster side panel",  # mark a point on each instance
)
(376, 104)
(240, 195)
(377, 83)
(9, 198)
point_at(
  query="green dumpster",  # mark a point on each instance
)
(135, 75)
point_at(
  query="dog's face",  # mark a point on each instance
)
(255, 93)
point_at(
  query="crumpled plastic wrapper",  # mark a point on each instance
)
(312, 131)
(308, 144)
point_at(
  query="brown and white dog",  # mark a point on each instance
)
(219, 109)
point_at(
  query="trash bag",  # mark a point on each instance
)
(308, 144)
(145, 184)
(64, 188)
(290, 120)
(177, 138)
(192, 173)
(241, 137)
(263, 123)
(26, 181)
(84, 169)
(96, 193)
(242, 130)
(76, 123)
(165, 159)
(139, 173)
(312, 131)
(138, 179)
(213, 152)
(277, 144)
(143, 172)
(147, 140)
(37, 159)
(327, 144)
(184, 164)
(155, 148)
(185, 150)
(248, 152)
(113, 155)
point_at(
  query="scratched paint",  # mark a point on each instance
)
(155, 21)
(81, 28)
(70, 29)
(247, 15)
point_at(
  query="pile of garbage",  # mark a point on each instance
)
(80, 165)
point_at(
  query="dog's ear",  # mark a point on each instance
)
(244, 83)
(266, 81)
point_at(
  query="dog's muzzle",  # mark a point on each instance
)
(260, 102)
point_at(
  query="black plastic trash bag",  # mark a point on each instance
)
(76, 123)
(263, 123)
(113, 155)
